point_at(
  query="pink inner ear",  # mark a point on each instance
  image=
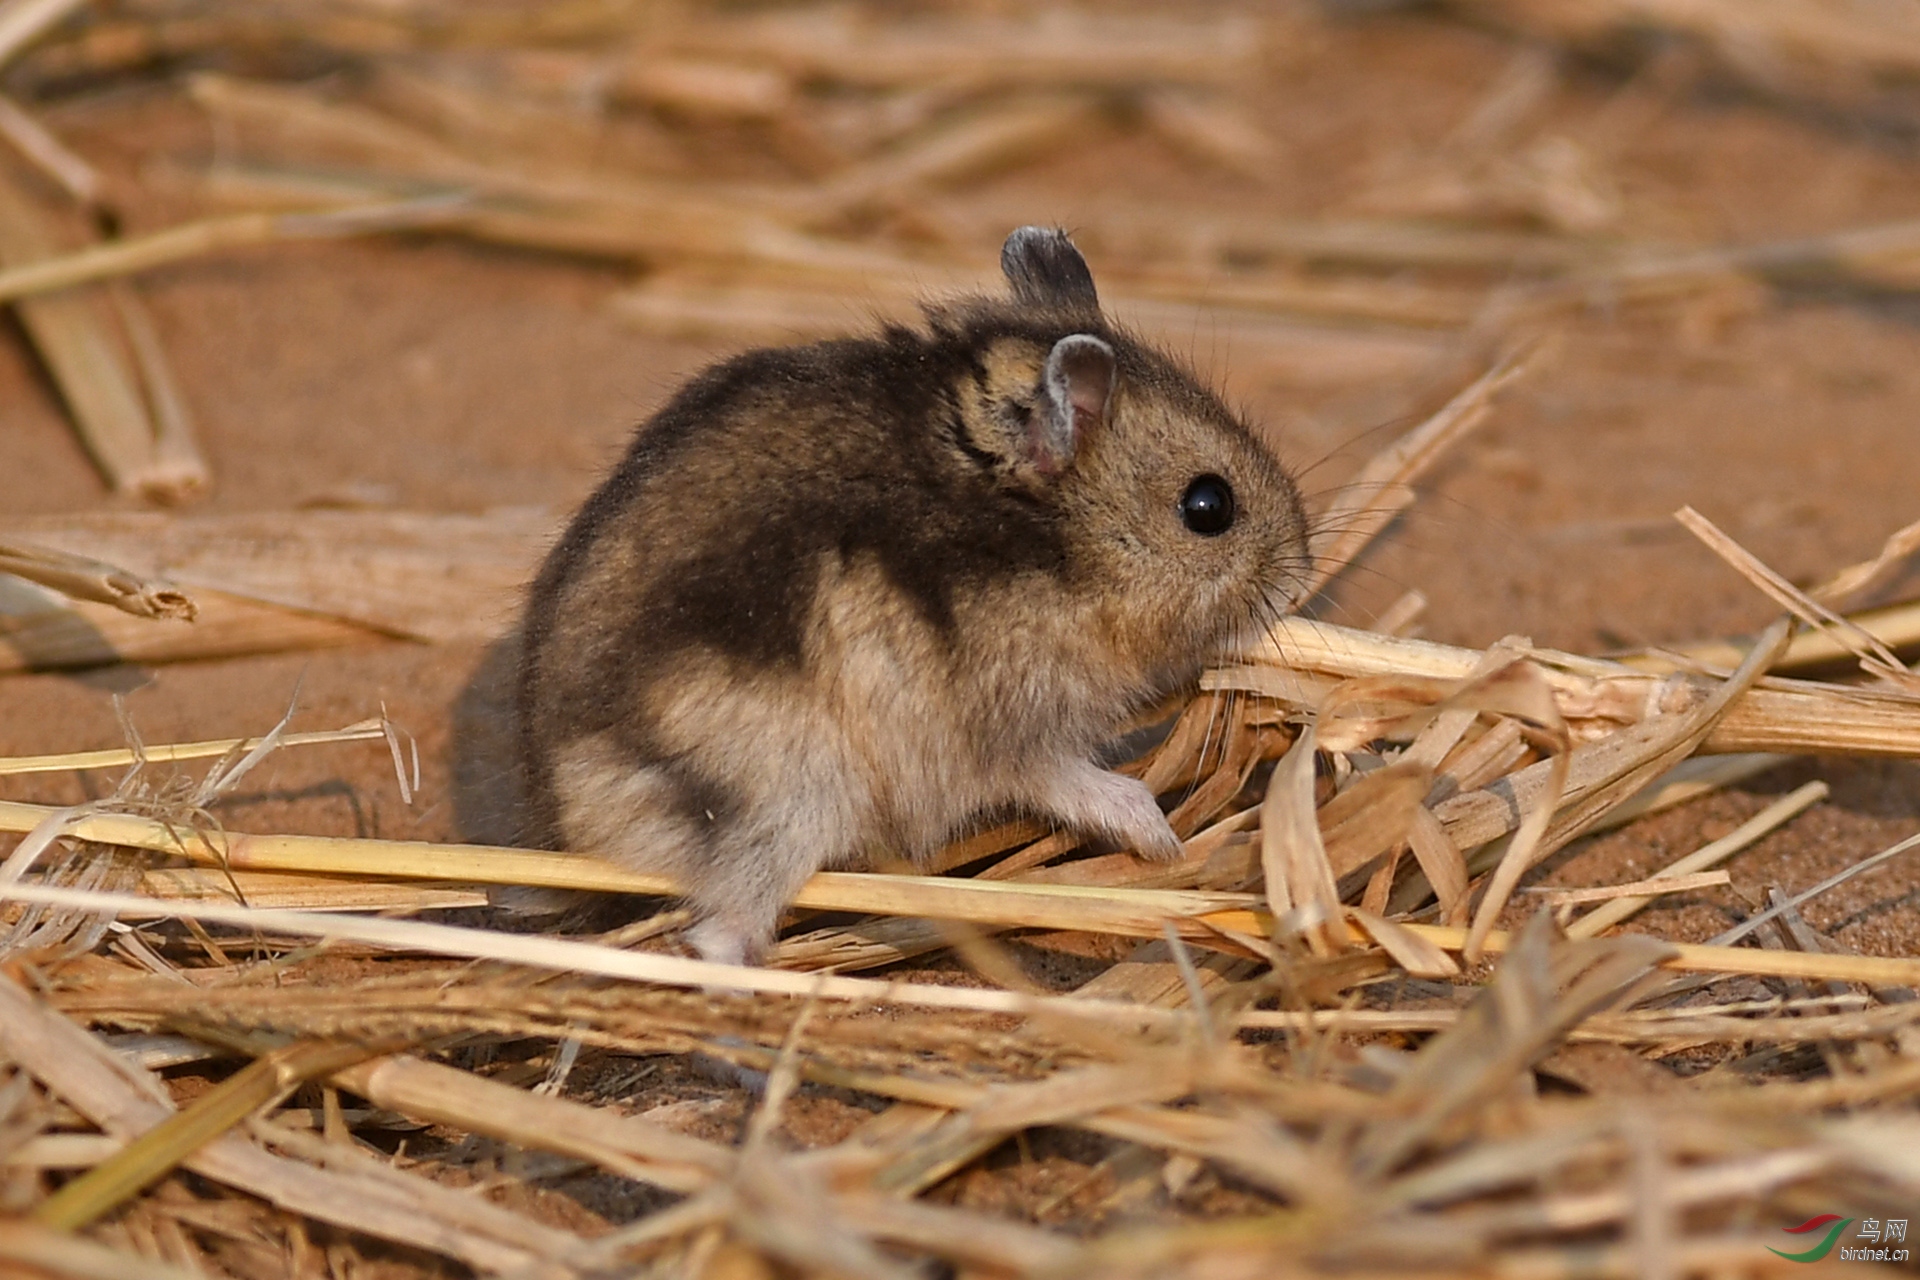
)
(1089, 384)
(1089, 401)
(1088, 373)
(1078, 385)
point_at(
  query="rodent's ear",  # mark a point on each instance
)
(1076, 390)
(1045, 270)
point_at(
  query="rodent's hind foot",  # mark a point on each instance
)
(739, 895)
(721, 941)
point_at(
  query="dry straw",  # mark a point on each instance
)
(1322, 1046)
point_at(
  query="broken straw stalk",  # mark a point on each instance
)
(80, 578)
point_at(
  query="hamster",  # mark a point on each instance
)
(858, 595)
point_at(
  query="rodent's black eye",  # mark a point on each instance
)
(1207, 506)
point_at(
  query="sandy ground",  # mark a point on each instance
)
(443, 376)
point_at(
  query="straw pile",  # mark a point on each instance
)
(1343, 1034)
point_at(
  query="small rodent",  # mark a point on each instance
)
(858, 595)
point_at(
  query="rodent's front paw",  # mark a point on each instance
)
(1157, 842)
(1118, 807)
(1137, 822)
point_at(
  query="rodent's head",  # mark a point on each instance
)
(1175, 513)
